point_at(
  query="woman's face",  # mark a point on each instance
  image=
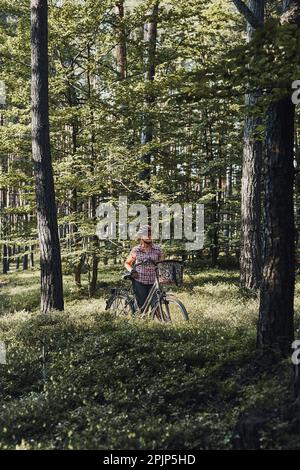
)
(147, 239)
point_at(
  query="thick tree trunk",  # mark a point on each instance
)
(150, 38)
(250, 261)
(276, 311)
(50, 258)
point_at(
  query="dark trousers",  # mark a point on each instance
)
(141, 291)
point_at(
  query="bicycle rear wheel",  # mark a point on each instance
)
(121, 304)
(170, 310)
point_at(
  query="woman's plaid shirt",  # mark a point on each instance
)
(146, 273)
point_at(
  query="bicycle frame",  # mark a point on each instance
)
(154, 289)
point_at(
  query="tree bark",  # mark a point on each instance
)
(25, 259)
(31, 259)
(250, 260)
(95, 257)
(215, 221)
(226, 217)
(4, 218)
(5, 261)
(121, 41)
(276, 311)
(252, 19)
(50, 257)
(93, 201)
(150, 38)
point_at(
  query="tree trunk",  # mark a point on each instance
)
(31, 257)
(150, 38)
(4, 219)
(215, 248)
(276, 311)
(250, 261)
(121, 41)
(227, 217)
(17, 257)
(5, 261)
(25, 259)
(50, 257)
(93, 200)
(78, 270)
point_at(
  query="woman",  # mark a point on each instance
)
(144, 275)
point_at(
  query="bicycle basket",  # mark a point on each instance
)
(170, 272)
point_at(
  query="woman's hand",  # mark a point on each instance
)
(134, 274)
(129, 264)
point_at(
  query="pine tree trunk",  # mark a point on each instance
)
(25, 259)
(4, 218)
(215, 248)
(121, 41)
(5, 262)
(276, 311)
(17, 257)
(95, 247)
(250, 260)
(227, 217)
(50, 257)
(31, 257)
(78, 271)
(150, 38)
(93, 201)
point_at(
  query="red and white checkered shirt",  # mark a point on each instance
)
(146, 273)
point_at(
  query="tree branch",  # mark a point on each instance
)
(291, 12)
(247, 13)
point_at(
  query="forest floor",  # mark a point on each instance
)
(134, 384)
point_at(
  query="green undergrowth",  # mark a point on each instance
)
(84, 380)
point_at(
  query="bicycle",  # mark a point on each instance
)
(160, 305)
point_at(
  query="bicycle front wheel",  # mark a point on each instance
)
(170, 310)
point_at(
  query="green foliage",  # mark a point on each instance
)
(109, 384)
(97, 119)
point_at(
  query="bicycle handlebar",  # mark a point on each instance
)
(147, 261)
(128, 275)
(156, 263)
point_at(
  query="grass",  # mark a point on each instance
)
(111, 384)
